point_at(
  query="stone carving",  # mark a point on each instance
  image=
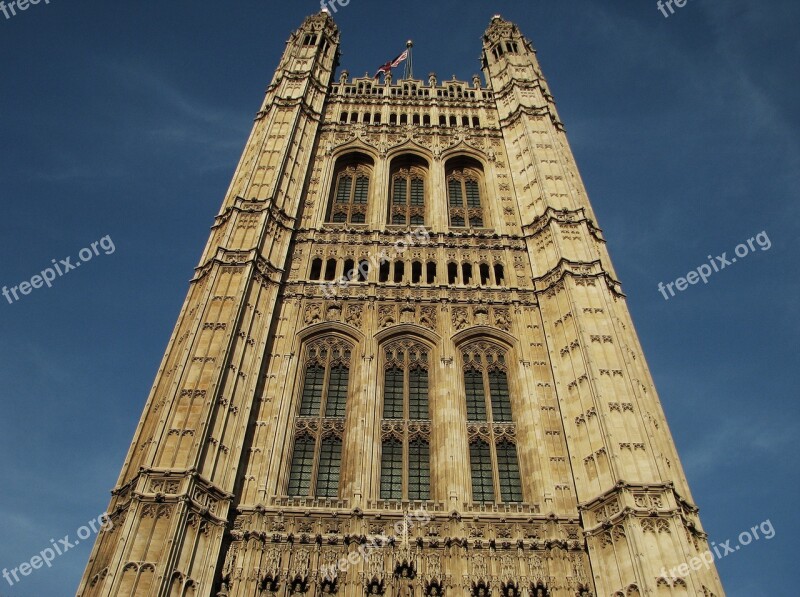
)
(460, 320)
(386, 316)
(313, 313)
(354, 315)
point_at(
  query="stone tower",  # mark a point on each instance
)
(405, 365)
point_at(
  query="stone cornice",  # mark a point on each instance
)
(238, 258)
(520, 111)
(242, 205)
(449, 240)
(576, 269)
(441, 294)
(624, 486)
(561, 216)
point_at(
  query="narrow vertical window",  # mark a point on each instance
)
(419, 473)
(418, 394)
(416, 272)
(431, 272)
(485, 274)
(508, 472)
(312, 391)
(393, 393)
(452, 273)
(316, 269)
(501, 404)
(337, 392)
(499, 275)
(480, 459)
(392, 470)
(405, 457)
(302, 465)
(330, 462)
(476, 399)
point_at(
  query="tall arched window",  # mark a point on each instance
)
(493, 452)
(317, 454)
(407, 193)
(405, 431)
(350, 192)
(464, 188)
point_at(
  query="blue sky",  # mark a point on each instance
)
(127, 119)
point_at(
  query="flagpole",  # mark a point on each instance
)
(409, 72)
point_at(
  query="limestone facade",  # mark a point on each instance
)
(483, 382)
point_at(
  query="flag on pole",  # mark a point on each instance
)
(387, 68)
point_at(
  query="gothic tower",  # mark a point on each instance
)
(405, 365)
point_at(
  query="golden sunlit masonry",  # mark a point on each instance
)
(487, 376)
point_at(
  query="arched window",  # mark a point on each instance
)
(464, 183)
(485, 274)
(350, 192)
(316, 269)
(330, 269)
(416, 272)
(493, 452)
(499, 275)
(383, 273)
(317, 454)
(430, 271)
(399, 271)
(452, 273)
(405, 451)
(407, 201)
(466, 269)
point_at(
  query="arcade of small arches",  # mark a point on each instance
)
(399, 271)
(445, 120)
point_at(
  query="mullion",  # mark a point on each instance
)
(323, 407)
(405, 386)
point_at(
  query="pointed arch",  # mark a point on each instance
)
(351, 188)
(466, 192)
(409, 190)
(322, 395)
(491, 427)
(405, 363)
